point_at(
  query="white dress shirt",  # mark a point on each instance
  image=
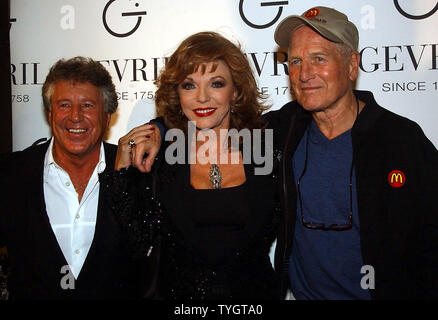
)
(73, 222)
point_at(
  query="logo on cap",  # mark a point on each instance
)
(396, 179)
(311, 13)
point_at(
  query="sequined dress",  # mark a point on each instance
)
(216, 243)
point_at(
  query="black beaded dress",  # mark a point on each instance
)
(214, 243)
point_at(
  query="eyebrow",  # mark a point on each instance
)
(319, 53)
(62, 100)
(312, 54)
(211, 79)
(80, 100)
(316, 53)
(217, 78)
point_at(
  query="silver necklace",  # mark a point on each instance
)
(215, 176)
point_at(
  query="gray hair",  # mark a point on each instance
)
(344, 50)
(81, 69)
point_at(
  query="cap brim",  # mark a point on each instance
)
(288, 25)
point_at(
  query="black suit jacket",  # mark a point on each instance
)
(35, 257)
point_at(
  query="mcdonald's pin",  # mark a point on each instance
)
(311, 13)
(396, 179)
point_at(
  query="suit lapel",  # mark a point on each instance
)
(104, 239)
(42, 238)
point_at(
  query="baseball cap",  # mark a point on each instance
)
(328, 22)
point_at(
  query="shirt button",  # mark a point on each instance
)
(77, 251)
(67, 184)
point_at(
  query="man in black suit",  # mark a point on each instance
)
(63, 241)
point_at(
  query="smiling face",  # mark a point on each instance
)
(77, 119)
(319, 74)
(207, 97)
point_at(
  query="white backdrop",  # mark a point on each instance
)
(398, 40)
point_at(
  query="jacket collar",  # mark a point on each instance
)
(369, 114)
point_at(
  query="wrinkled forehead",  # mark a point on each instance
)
(71, 88)
(75, 83)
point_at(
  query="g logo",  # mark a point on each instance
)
(263, 4)
(124, 14)
(410, 16)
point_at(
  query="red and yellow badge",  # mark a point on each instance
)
(396, 179)
(311, 13)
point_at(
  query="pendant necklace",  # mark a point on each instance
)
(215, 176)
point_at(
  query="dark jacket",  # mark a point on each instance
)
(398, 226)
(35, 256)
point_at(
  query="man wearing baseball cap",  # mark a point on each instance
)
(358, 181)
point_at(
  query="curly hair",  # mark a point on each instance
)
(194, 52)
(81, 69)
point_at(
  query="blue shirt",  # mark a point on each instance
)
(326, 264)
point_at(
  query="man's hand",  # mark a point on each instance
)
(134, 145)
